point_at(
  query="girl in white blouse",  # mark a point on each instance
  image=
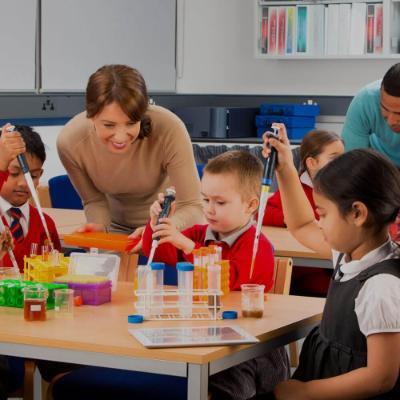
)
(355, 352)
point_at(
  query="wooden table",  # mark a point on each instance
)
(286, 245)
(98, 336)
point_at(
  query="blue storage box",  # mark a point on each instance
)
(289, 121)
(306, 110)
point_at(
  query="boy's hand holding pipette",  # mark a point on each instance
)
(11, 145)
(6, 242)
(166, 230)
(285, 157)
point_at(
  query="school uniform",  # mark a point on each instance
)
(30, 230)
(274, 212)
(237, 248)
(3, 177)
(363, 299)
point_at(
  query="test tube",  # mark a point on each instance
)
(33, 250)
(214, 287)
(197, 276)
(185, 288)
(54, 258)
(142, 305)
(45, 252)
(156, 284)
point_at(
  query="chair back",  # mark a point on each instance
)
(63, 194)
(282, 275)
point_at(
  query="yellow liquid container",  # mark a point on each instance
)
(37, 270)
(225, 276)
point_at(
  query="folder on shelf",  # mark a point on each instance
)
(344, 31)
(357, 28)
(378, 34)
(290, 30)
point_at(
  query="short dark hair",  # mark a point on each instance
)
(125, 86)
(362, 175)
(391, 81)
(33, 142)
(246, 167)
(313, 144)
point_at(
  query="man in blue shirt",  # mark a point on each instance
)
(373, 117)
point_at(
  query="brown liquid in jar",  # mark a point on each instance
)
(35, 310)
(252, 314)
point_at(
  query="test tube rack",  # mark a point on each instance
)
(205, 305)
(38, 270)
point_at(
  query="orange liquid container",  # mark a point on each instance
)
(101, 240)
(197, 275)
(35, 309)
(225, 267)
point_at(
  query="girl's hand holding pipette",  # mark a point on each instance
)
(168, 233)
(11, 145)
(281, 144)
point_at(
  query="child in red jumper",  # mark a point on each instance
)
(317, 149)
(18, 214)
(230, 188)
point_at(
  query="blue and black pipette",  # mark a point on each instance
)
(169, 198)
(266, 182)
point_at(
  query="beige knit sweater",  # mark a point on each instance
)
(120, 188)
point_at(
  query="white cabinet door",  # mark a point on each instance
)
(17, 45)
(79, 36)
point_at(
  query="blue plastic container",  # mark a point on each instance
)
(293, 133)
(306, 110)
(289, 121)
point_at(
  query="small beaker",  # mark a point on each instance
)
(35, 297)
(64, 302)
(9, 273)
(252, 300)
(45, 252)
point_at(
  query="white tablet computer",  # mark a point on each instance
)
(192, 336)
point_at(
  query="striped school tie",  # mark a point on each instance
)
(15, 227)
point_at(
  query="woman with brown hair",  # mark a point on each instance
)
(121, 152)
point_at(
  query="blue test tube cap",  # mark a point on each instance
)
(184, 266)
(157, 266)
(229, 314)
(135, 319)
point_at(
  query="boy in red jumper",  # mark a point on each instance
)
(22, 218)
(230, 188)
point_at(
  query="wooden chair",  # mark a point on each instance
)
(282, 276)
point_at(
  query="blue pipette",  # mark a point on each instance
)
(269, 170)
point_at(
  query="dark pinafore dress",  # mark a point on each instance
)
(337, 346)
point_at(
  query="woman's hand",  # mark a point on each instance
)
(11, 145)
(168, 233)
(91, 227)
(156, 208)
(285, 157)
(137, 234)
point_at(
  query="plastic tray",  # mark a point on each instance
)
(289, 121)
(92, 293)
(102, 264)
(101, 240)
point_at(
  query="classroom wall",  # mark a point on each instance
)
(216, 55)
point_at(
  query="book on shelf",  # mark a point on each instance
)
(321, 29)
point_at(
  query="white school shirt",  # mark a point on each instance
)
(377, 305)
(24, 221)
(306, 179)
